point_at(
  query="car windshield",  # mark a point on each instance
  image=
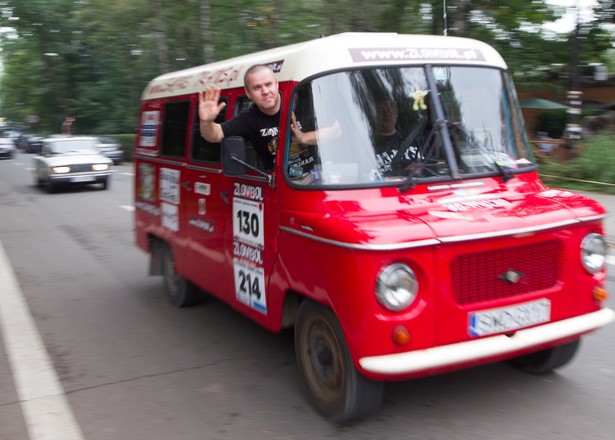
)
(406, 125)
(73, 146)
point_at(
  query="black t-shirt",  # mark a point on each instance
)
(259, 129)
(387, 149)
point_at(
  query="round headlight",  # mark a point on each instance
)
(396, 287)
(593, 252)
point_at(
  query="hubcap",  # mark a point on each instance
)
(323, 362)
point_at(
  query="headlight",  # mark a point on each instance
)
(396, 287)
(61, 170)
(100, 167)
(593, 252)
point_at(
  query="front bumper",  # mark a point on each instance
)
(448, 356)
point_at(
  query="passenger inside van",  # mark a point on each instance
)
(388, 141)
(258, 124)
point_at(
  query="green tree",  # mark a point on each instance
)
(92, 58)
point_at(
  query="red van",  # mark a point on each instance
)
(417, 240)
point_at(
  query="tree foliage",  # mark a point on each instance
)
(90, 59)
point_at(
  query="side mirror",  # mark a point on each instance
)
(233, 156)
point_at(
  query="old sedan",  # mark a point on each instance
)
(70, 161)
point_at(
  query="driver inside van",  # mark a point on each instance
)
(388, 140)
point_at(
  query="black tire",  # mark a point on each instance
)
(105, 184)
(545, 361)
(332, 383)
(49, 186)
(180, 292)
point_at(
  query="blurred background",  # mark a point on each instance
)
(86, 62)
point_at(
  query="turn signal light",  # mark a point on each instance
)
(401, 335)
(600, 294)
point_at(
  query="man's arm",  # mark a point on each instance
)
(208, 112)
(312, 137)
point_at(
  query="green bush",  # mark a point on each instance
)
(593, 169)
(127, 141)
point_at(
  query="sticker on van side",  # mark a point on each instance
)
(169, 185)
(149, 128)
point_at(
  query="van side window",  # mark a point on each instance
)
(175, 128)
(203, 150)
(242, 103)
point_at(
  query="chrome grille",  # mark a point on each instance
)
(81, 168)
(482, 276)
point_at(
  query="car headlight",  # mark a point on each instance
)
(61, 170)
(396, 287)
(100, 167)
(593, 252)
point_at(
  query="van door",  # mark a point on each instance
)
(252, 236)
(206, 211)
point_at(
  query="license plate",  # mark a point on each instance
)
(82, 179)
(506, 319)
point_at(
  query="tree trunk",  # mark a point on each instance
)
(206, 34)
(162, 51)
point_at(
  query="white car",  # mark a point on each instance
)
(7, 148)
(71, 160)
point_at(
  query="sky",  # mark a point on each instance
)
(568, 21)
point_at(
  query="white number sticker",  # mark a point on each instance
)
(248, 222)
(250, 285)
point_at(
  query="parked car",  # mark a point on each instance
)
(10, 134)
(71, 160)
(30, 143)
(7, 148)
(111, 148)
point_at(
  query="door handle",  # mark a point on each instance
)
(224, 195)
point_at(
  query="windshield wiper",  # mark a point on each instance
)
(506, 172)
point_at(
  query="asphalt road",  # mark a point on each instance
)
(129, 366)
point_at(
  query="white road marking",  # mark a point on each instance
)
(46, 411)
(127, 207)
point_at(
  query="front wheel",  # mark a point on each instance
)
(332, 383)
(545, 361)
(180, 291)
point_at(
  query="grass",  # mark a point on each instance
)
(591, 169)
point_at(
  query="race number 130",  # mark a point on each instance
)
(248, 222)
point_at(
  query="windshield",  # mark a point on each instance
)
(406, 124)
(73, 146)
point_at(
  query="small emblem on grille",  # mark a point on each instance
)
(511, 276)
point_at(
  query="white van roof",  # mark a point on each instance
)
(341, 51)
